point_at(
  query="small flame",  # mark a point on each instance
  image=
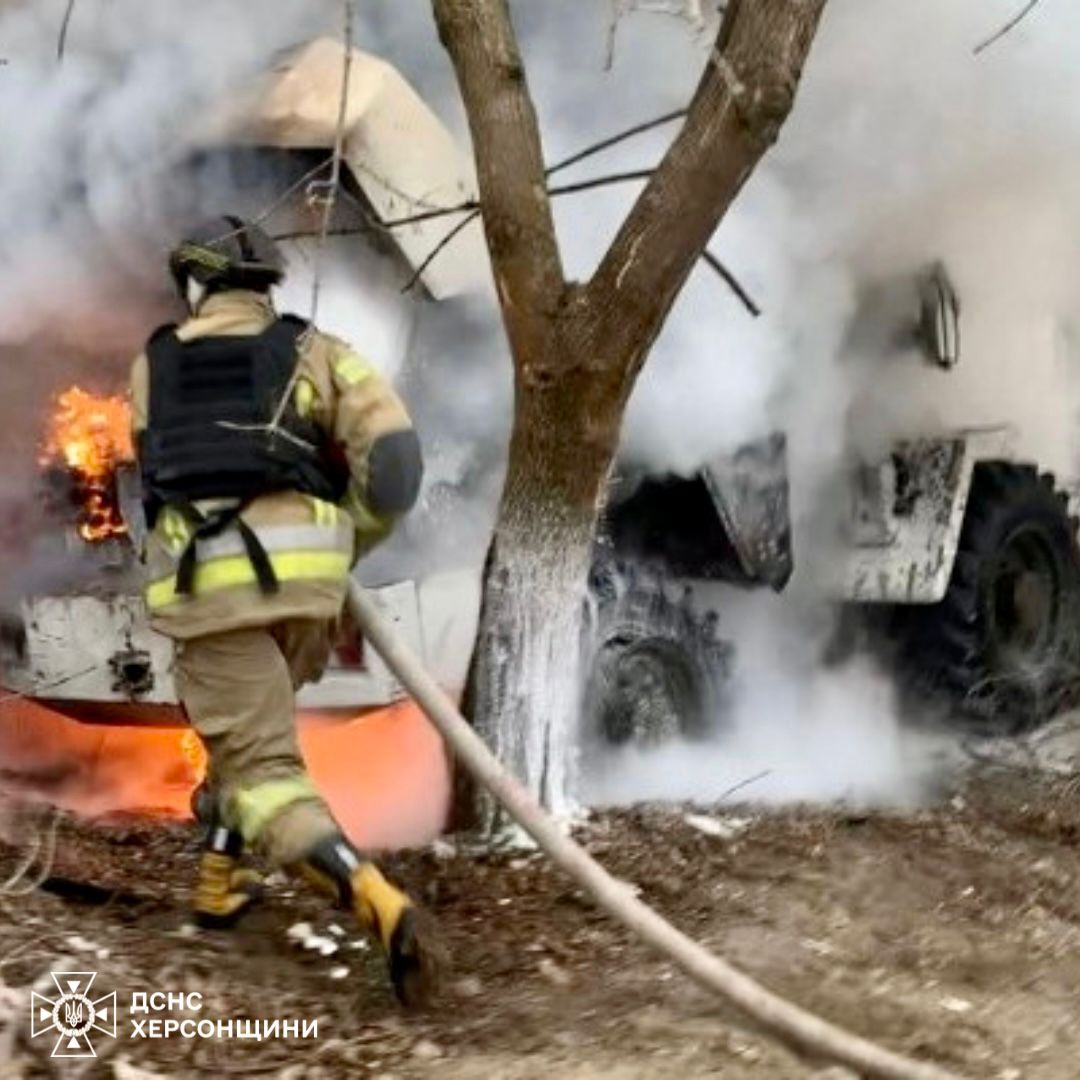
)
(194, 753)
(90, 435)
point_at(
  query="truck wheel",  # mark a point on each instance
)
(1002, 645)
(657, 670)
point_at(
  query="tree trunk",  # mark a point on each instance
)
(525, 680)
(577, 350)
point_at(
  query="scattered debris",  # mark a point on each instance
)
(443, 849)
(554, 974)
(468, 987)
(724, 828)
(123, 1069)
(14, 1006)
(80, 944)
(426, 1050)
(304, 936)
(956, 1005)
(877, 928)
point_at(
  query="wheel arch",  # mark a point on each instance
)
(908, 514)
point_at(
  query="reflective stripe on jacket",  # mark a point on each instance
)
(322, 550)
(349, 400)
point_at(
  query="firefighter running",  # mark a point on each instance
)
(254, 528)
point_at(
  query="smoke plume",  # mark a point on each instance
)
(904, 148)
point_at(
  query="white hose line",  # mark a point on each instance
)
(793, 1025)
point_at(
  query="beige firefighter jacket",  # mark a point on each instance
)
(312, 545)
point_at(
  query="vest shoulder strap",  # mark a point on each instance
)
(286, 332)
(163, 332)
(295, 320)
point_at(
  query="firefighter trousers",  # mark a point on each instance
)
(239, 690)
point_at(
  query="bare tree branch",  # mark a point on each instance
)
(333, 183)
(600, 181)
(724, 273)
(613, 140)
(732, 283)
(432, 255)
(692, 11)
(431, 215)
(612, 31)
(565, 163)
(472, 212)
(61, 41)
(518, 221)
(472, 207)
(745, 94)
(329, 202)
(1008, 28)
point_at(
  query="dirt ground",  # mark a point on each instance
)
(951, 934)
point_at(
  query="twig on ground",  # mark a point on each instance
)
(15, 885)
(1008, 28)
(23, 947)
(22, 866)
(744, 784)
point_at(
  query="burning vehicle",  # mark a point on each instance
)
(957, 559)
(79, 664)
(86, 649)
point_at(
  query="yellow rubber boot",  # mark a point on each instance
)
(224, 889)
(387, 913)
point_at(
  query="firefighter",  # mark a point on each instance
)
(272, 456)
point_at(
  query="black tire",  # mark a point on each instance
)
(1001, 648)
(656, 670)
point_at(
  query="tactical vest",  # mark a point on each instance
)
(211, 401)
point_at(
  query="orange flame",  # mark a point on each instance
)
(90, 435)
(384, 774)
(194, 753)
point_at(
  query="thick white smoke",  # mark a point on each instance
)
(90, 192)
(904, 147)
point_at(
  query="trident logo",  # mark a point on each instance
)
(73, 1014)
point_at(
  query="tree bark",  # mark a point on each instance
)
(577, 350)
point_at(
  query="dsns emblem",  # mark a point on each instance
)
(73, 1014)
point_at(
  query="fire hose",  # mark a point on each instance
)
(787, 1021)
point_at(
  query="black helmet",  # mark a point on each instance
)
(227, 252)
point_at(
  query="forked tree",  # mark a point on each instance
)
(578, 347)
